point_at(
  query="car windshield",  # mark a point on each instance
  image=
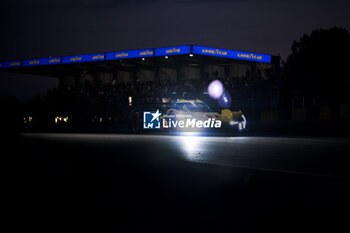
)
(193, 107)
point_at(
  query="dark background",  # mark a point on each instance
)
(61, 27)
(164, 183)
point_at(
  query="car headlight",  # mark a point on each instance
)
(244, 122)
(241, 123)
(234, 122)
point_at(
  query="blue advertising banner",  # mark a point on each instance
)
(186, 49)
(42, 61)
(83, 58)
(129, 54)
(212, 51)
(257, 57)
(10, 64)
(167, 51)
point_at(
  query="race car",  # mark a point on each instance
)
(196, 111)
(190, 115)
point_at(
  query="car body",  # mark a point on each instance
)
(199, 110)
(190, 111)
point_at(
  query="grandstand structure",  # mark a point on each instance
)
(189, 61)
(175, 64)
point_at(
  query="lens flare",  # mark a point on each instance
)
(225, 100)
(215, 89)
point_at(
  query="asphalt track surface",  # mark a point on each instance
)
(167, 183)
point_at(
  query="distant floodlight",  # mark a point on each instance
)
(143, 59)
(166, 57)
(191, 55)
(215, 89)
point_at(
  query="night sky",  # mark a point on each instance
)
(37, 28)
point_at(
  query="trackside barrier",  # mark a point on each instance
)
(299, 114)
(326, 113)
(344, 111)
(269, 115)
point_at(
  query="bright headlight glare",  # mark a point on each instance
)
(233, 122)
(244, 121)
